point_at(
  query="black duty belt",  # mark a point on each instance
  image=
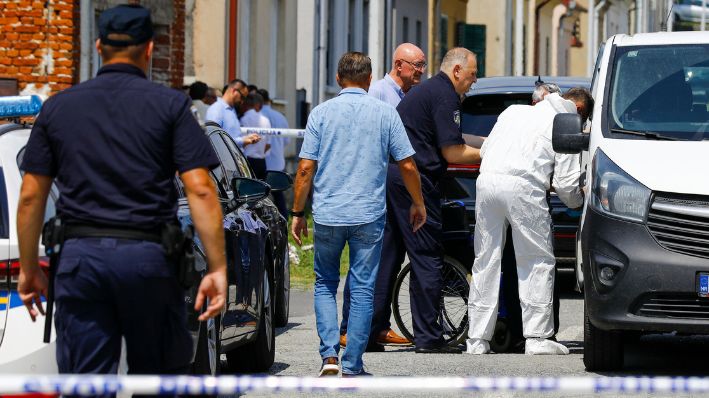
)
(94, 231)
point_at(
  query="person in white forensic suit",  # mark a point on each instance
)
(518, 163)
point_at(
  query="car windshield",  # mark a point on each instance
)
(480, 112)
(661, 90)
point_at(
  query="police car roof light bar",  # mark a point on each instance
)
(20, 105)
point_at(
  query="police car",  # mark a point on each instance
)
(21, 347)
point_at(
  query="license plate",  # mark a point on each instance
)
(703, 284)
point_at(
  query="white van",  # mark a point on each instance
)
(644, 234)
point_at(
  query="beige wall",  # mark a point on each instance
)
(493, 14)
(209, 41)
(456, 11)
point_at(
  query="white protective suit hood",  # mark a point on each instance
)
(520, 145)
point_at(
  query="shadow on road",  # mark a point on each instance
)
(278, 367)
(286, 328)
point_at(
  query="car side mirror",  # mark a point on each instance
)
(278, 180)
(248, 189)
(567, 134)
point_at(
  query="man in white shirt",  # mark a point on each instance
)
(275, 158)
(256, 153)
(223, 113)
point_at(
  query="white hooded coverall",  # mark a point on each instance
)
(518, 161)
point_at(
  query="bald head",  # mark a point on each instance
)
(408, 64)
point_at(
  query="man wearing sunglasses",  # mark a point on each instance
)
(408, 64)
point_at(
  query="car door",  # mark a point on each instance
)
(4, 255)
(244, 264)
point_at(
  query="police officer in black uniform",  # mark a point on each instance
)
(113, 146)
(431, 115)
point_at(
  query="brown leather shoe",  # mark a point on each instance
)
(343, 340)
(389, 337)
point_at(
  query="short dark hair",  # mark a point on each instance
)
(252, 87)
(582, 95)
(264, 93)
(198, 90)
(354, 67)
(252, 100)
(132, 52)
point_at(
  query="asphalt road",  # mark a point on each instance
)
(297, 353)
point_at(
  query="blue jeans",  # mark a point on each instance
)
(365, 243)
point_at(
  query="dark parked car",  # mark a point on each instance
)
(480, 109)
(257, 266)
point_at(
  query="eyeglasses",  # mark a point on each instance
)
(418, 65)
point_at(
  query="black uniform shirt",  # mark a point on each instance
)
(113, 145)
(431, 115)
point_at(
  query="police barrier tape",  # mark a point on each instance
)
(193, 385)
(286, 133)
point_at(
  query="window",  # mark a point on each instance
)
(479, 112)
(419, 34)
(347, 30)
(443, 35)
(242, 164)
(225, 171)
(405, 30)
(660, 89)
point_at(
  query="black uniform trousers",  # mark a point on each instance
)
(110, 288)
(425, 251)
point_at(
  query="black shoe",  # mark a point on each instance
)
(374, 347)
(360, 374)
(438, 350)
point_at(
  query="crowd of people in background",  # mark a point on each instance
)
(238, 105)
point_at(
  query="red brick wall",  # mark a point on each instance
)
(177, 49)
(40, 44)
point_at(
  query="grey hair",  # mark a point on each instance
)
(456, 56)
(543, 89)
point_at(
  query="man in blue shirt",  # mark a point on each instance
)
(223, 112)
(408, 64)
(346, 150)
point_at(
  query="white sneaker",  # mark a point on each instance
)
(539, 346)
(477, 346)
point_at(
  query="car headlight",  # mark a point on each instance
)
(615, 192)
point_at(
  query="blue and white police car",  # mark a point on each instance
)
(22, 350)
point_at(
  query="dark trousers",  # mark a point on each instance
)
(279, 199)
(258, 166)
(425, 253)
(108, 288)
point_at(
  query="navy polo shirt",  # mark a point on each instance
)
(113, 145)
(431, 115)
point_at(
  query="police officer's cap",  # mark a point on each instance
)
(127, 19)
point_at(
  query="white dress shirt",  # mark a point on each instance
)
(257, 120)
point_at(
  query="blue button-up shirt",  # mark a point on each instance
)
(386, 90)
(351, 137)
(275, 158)
(225, 116)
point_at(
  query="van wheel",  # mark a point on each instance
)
(603, 349)
(258, 356)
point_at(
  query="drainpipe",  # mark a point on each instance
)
(519, 38)
(640, 16)
(314, 94)
(536, 35)
(596, 22)
(591, 34)
(85, 59)
(508, 38)
(232, 22)
(322, 79)
(703, 24)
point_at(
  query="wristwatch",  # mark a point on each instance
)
(294, 213)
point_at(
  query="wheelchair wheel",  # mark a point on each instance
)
(454, 302)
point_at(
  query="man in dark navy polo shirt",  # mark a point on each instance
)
(431, 115)
(113, 146)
